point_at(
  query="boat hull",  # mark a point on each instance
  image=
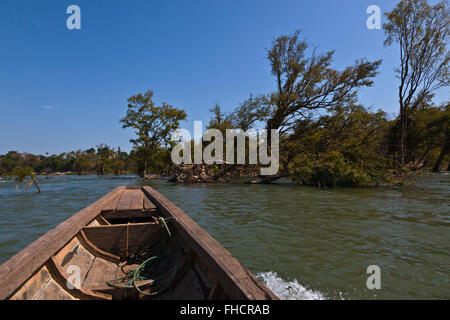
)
(133, 243)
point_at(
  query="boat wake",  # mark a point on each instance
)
(285, 290)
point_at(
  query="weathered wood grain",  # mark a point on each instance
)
(95, 251)
(125, 200)
(237, 281)
(87, 240)
(136, 200)
(148, 205)
(100, 272)
(21, 266)
(115, 238)
(111, 215)
(61, 278)
(33, 285)
(112, 203)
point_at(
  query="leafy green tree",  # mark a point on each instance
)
(11, 161)
(119, 162)
(153, 126)
(422, 32)
(305, 84)
(103, 159)
(220, 120)
(440, 130)
(344, 148)
(83, 162)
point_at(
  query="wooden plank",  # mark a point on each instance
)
(74, 254)
(237, 281)
(112, 204)
(60, 277)
(101, 220)
(124, 203)
(89, 246)
(15, 271)
(148, 204)
(53, 291)
(128, 214)
(100, 272)
(33, 285)
(137, 200)
(115, 238)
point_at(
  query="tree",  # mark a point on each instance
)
(83, 162)
(220, 120)
(307, 86)
(21, 174)
(304, 84)
(345, 148)
(153, 125)
(103, 159)
(441, 131)
(427, 132)
(422, 33)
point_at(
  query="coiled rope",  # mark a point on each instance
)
(145, 275)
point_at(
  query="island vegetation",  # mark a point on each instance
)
(327, 138)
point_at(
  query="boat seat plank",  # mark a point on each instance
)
(137, 200)
(130, 200)
(111, 215)
(123, 239)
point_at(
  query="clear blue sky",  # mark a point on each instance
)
(62, 90)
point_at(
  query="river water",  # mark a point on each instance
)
(304, 243)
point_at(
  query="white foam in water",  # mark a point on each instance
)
(288, 290)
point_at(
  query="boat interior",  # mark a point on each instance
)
(129, 229)
(139, 246)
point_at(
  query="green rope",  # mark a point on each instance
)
(138, 275)
(143, 272)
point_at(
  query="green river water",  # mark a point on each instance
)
(304, 243)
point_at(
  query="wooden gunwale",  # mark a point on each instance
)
(236, 280)
(15, 271)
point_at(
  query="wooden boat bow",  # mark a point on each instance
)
(100, 240)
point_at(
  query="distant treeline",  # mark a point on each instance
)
(100, 160)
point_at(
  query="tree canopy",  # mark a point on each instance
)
(153, 126)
